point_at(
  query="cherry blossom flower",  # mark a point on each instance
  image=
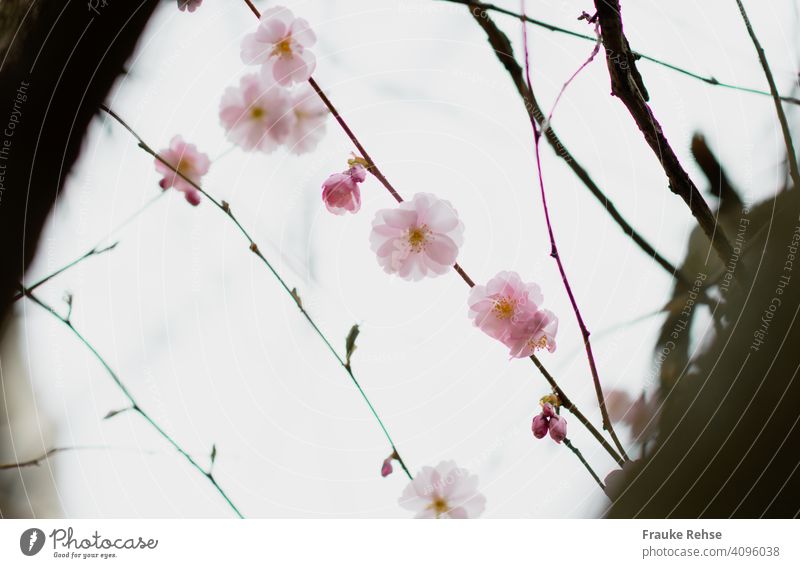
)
(190, 5)
(503, 302)
(281, 44)
(418, 238)
(340, 192)
(536, 331)
(188, 161)
(444, 492)
(308, 127)
(256, 114)
(549, 421)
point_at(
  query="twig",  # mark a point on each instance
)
(96, 250)
(628, 86)
(37, 461)
(505, 54)
(607, 425)
(135, 405)
(225, 207)
(578, 453)
(787, 136)
(710, 80)
(373, 168)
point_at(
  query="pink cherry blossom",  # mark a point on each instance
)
(549, 421)
(418, 238)
(256, 114)
(190, 162)
(340, 192)
(309, 114)
(640, 414)
(191, 5)
(502, 303)
(444, 492)
(281, 44)
(537, 331)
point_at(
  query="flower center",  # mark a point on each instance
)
(439, 506)
(418, 238)
(283, 47)
(537, 344)
(504, 308)
(257, 113)
(184, 166)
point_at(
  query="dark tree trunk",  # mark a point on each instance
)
(58, 62)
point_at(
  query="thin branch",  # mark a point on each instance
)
(628, 86)
(225, 207)
(37, 461)
(787, 135)
(710, 80)
(96, 250)
(138, 409)
(578, 453)
(505, 54)
(607, 425)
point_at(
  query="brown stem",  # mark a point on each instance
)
(628, 86)
(787, 136)
(607, 425)
(505, 54)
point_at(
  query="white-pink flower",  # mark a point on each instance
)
(189, 161)
(309, 114)
(256, 114)
(281, 45)
(505, 301)
(190, 5)
(340, 192)
(418, 238)
(444, 492)
(537, 331)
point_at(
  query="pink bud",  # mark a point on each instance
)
(387, 468)
(548, 410)
(340, 192)
(539, 426)
(192, 197)
(558, 428)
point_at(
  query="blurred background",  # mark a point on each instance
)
(217, 353)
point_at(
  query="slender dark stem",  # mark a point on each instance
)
(226, 208)
(505, 54)
(96, 250)
(787, 135)
(373, 168)
(579, 455)
(638, 54)
(607, 425)
(135, 405)
(628, 85)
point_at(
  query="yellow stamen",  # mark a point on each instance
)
(418, 238)
(283, 47)
(257, 112)
(439, 506)
(504, 308)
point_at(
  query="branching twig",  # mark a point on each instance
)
(607, 425)
(787, 135)
(135, 405)
(484, 7)
(226, 208)
(627, 84)
(505, 54)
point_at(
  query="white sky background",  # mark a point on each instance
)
(203, 335)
